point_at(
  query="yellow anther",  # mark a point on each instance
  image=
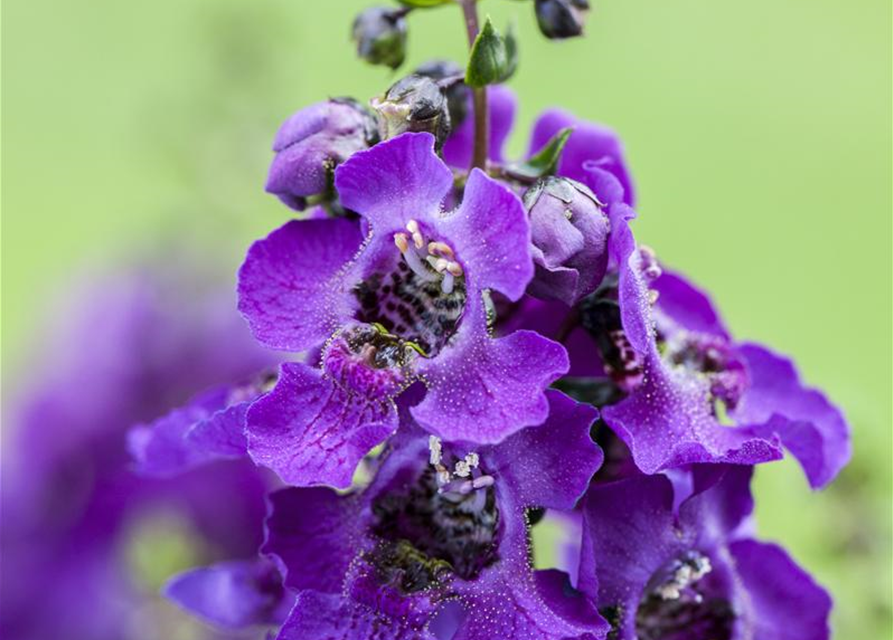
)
(402, 242)
(454, 268)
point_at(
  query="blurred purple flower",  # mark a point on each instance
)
(129, 348)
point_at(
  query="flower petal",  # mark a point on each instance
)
(780, 592)
(550, 465)
(233, 595)
(394, 182)
(310, 534)
(491, 235)
(330, 616)
(813, 429)
(290, 281)
(590, 146)
(165, 447)
(311, 432)
(482, 389)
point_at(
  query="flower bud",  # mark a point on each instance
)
(414, 103)
(569, 232)
(380, 34)
(311, 143)
(457, 93)
(561, 18)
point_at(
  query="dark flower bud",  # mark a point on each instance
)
(380, 34)
(569, 232)
(415, 103)
(311, 143)
(561, 18)
(457, 93)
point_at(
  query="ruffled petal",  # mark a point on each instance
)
(311, 432)
(541, 606)
(311, 533)
(811, 427)
(628, 535)
(590, 147)
(491, 236)
(482, 389)
(330, 616)
(233, 595)
(550, 465)
(459, 147)
(167, 447)
(784, 602)
(290, 288)
(687, 306)
(394, 182)
(667, 422)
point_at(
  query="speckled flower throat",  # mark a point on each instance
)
(422, 298)
(445, 521)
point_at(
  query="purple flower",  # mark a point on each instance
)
(311, 143)
(696, 395)
(690, 570)
(593, 154)
(130, 347)
(436, 546)
(406, 304)
(569, 231)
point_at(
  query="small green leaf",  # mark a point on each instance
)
(488, 61)
(545, 161)
(511, 52)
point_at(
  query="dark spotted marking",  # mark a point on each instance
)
(414, 310)
(460, 530)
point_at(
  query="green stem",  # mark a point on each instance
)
(481, 113)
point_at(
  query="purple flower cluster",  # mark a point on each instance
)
(469, 350)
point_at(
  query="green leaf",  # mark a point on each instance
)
(488, 62)
(545, 161)
(511, 51)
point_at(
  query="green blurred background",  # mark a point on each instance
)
(759, 134)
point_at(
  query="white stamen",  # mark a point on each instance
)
(473, 460)
(446, 284)
(436, 448)
(455, 268)
(462, 469)
(483, 481)
(440, 265)
(415, 263)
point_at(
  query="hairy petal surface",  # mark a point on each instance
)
(312, 432)
(290, 281)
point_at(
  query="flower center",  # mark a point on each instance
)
(448, 517)
(421, 300)
(681, 603)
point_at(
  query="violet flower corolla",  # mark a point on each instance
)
(405, 302)
(436, 546)
(694, 394)
(675, 559)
